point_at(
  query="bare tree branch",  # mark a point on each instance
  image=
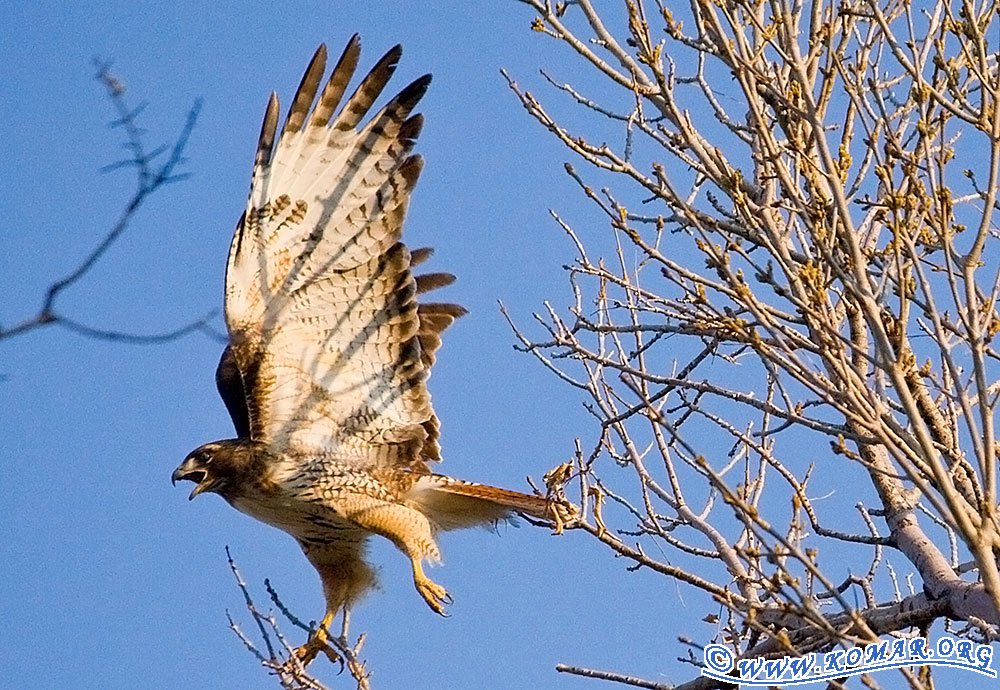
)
(793, 291)
(151, 177)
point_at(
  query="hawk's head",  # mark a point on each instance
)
(214, 467)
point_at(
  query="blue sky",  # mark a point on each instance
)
(111, 578)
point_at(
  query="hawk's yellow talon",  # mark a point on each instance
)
(317, 643)
(598, 504)
(434, 594)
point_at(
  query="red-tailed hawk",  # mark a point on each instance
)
(329, 348)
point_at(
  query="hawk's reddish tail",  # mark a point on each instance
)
(454, 504)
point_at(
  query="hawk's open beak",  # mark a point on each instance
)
(199, 477)
(202, 486)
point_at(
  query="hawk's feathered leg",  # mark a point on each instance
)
(345, 577)
(412, 533)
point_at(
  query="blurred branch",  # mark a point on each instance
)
(614, 677)
(151, 176)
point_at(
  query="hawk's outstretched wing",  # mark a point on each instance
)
(331, 347)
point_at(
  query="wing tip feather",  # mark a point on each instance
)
(432, 281)
(265, 143)
(306, 93)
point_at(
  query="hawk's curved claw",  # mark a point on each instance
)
(434, 594)
(308, 652)
(335, 658)
(317, 643)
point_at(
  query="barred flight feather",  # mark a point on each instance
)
(320, 300)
